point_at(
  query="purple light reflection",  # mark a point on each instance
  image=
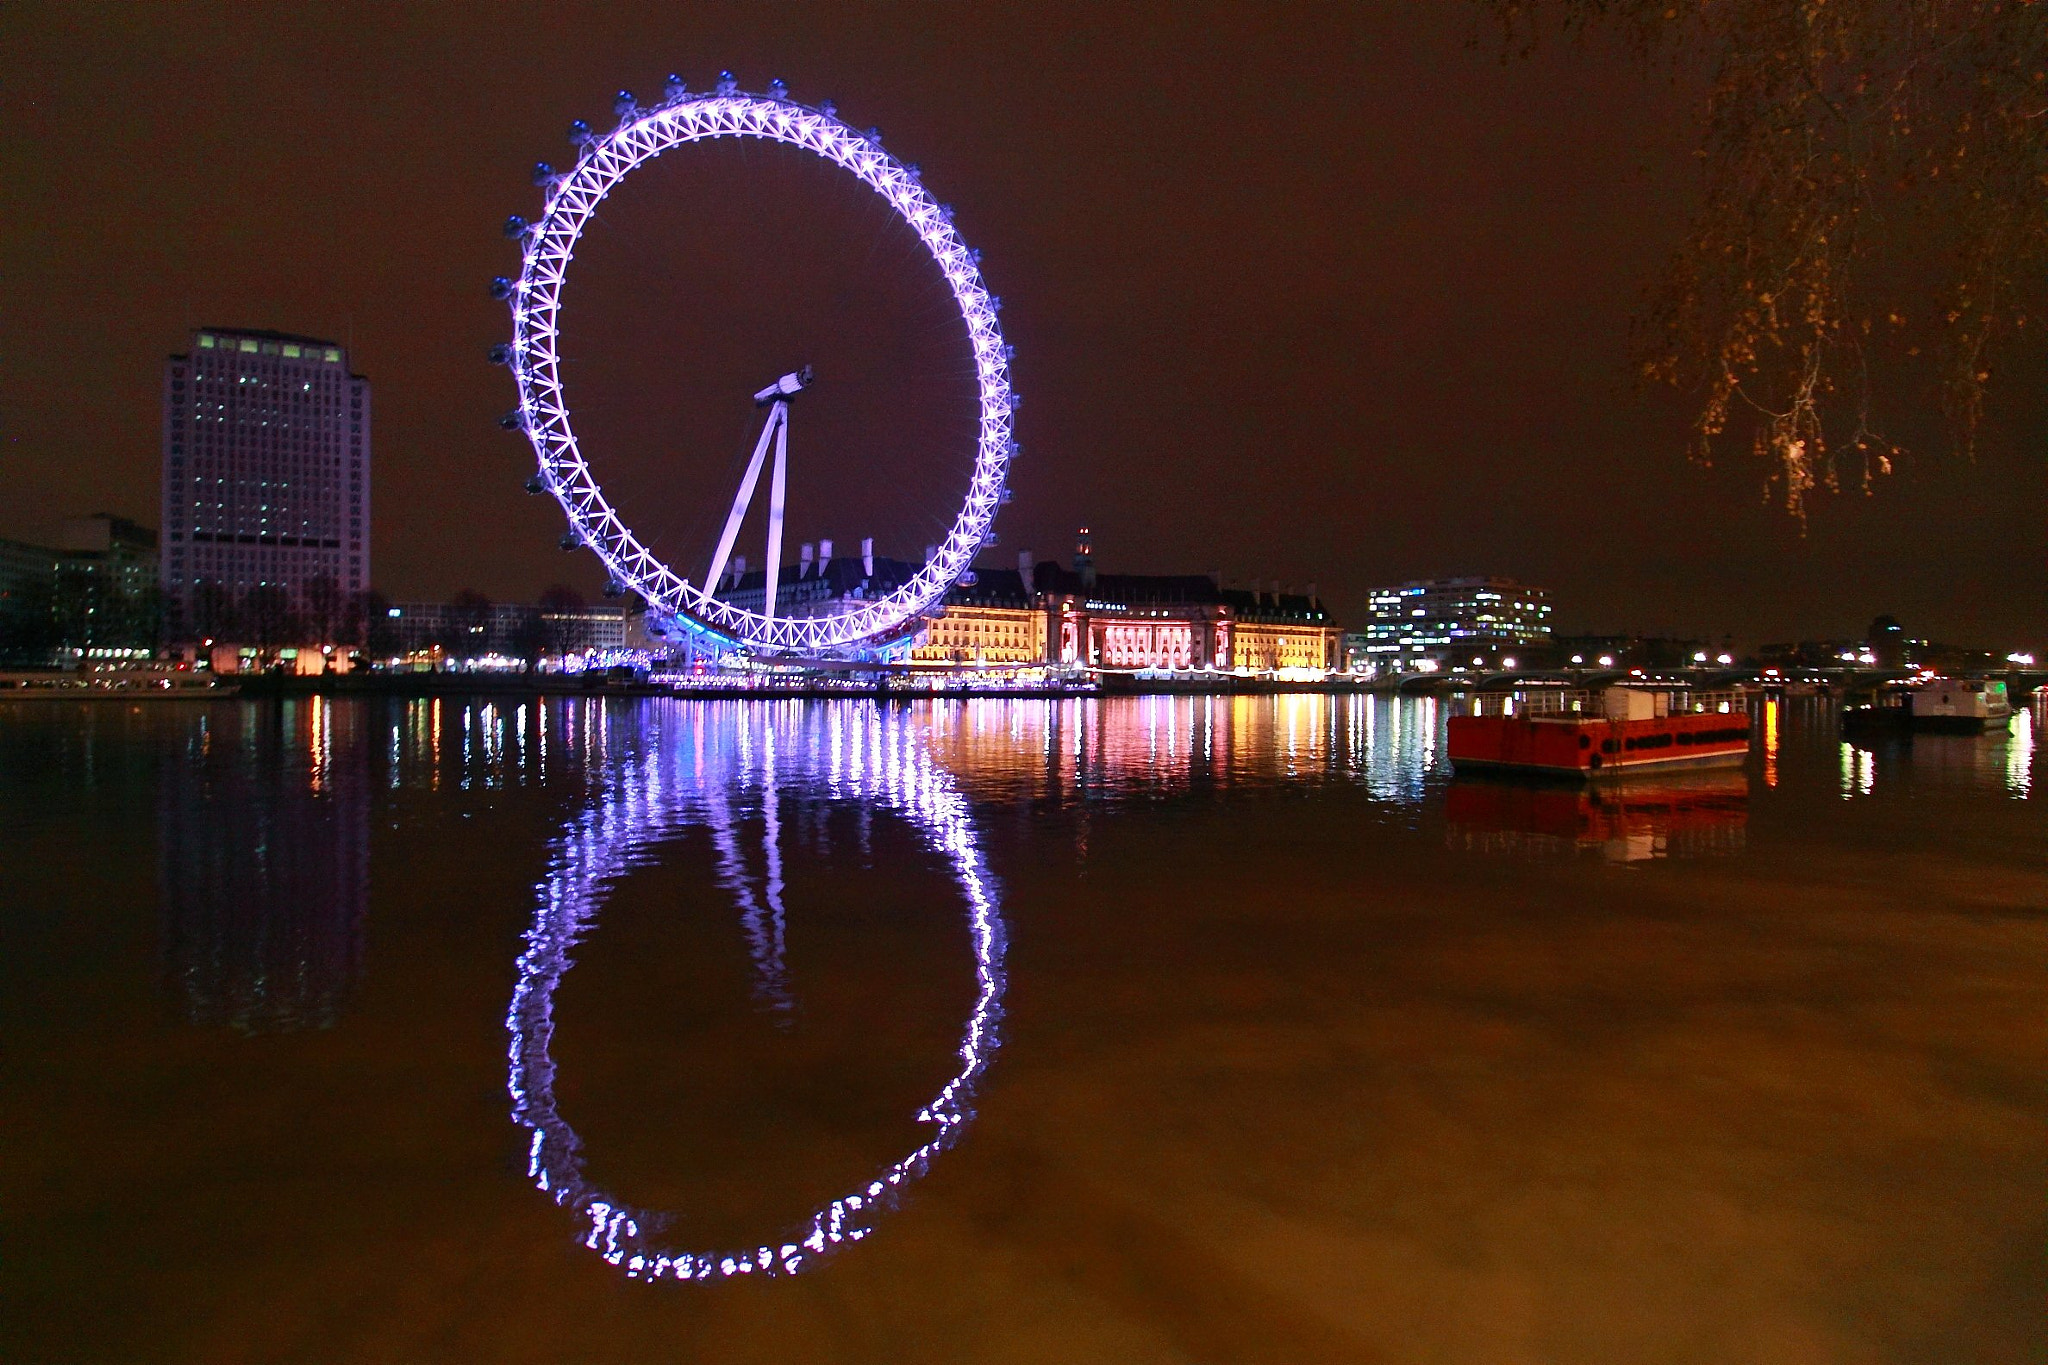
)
(856, 751)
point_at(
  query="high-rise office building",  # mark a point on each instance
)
(266, 461)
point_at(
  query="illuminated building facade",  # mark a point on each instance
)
(1270, 646)
(994, 621)
(1049, 616)
(266, 479)
(1179, 623)
(1445, 620)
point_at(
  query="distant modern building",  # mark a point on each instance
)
(510, 629)
(104, 586)
(1452, 620)
(1887, 643)
(28, 627)
(266, 479)
(25, 569)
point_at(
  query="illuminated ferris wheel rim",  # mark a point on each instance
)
(536, 299)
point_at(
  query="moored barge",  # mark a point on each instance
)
(1583, 734)
(1942, 705)
(1963, 706)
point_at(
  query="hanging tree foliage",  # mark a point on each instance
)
(1876, 194)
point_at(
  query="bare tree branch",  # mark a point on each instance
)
(1875, 182)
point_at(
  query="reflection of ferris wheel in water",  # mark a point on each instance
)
(851, 628)
(863, 754)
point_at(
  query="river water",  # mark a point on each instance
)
(1153, 1029)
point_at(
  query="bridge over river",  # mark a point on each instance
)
(1845, 680)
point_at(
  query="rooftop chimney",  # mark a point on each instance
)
(867, 556)
(1027, 565)
(804, 555)
(824, 556)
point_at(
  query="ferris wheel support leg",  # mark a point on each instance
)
(743, 500)
(776, 486)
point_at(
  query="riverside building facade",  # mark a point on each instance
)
(266, 479)
(992, 622)
(1042, 617)
(1451, 621)
(1182, 623)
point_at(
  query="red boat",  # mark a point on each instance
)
(1586, 734)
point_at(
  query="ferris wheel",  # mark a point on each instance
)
(851, 628)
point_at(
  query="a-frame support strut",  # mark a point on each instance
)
(775, 398)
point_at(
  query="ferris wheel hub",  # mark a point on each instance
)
(785, 388)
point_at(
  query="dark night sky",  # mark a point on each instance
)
(1324, 295)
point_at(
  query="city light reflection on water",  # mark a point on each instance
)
(1920, 765)
(264, 844)
(1307, 1041)
(264, 866)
